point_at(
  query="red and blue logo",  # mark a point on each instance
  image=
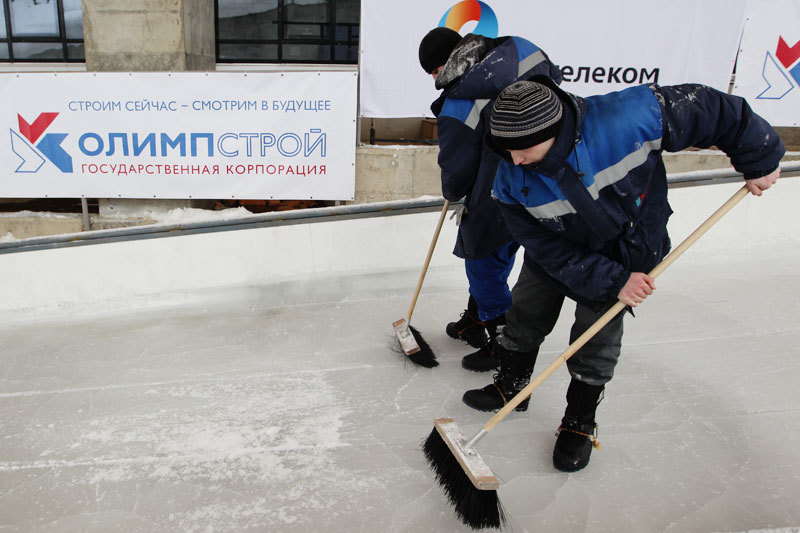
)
(34, 149)
(471, 10)
(781, 71)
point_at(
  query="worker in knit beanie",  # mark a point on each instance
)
(582, 187)
(526, 114)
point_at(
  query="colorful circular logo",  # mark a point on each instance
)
(469, 10)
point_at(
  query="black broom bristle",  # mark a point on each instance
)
(425, 356)
(476, 508)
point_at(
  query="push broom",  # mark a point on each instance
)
(466, 480)
(411, 341)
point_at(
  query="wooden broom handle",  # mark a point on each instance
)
(445, 207)
(615, 309)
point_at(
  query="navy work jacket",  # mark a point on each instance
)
(467, 166)
(595, 209)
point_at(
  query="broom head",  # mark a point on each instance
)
(466, 480)
(407, 341)
(413, 345)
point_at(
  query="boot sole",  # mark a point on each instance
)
(518, 409)
(567, 466)
(561, 468)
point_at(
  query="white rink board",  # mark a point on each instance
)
(89, 275)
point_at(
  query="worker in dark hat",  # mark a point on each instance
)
(435, 49)
(471, 71)
(582, 187)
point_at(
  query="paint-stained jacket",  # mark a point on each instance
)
(467, 166)
(595, 209)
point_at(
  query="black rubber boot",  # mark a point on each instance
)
(485, 358)
(577, 434)
(515, 372)
(469, 328)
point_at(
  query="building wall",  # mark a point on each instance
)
(178, 35)
(149, 35)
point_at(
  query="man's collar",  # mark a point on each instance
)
(467, 53)
(566, 137)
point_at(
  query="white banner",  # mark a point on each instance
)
(179, 135)
(603, 46)
(768, 71)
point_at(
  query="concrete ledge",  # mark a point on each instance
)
(400, 172)
(386, 173)
(33, 224)
(705, 160)
(30, 224)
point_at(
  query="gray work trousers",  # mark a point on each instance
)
(535, 308)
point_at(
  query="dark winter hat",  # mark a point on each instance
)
(436, 46)
(525, 113)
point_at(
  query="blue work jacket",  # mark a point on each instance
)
(595, 209)
(467, 166)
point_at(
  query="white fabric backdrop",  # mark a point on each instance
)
(768, 71)
(687, 40)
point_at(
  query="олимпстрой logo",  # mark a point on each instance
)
(781, 71)
(24, 145)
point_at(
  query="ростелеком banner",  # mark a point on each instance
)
(768, 70)
(179, 135)
(602, 46)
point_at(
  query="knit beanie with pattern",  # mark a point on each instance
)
(436, 47)
(525, 114)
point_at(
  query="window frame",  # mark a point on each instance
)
(331, 42)
(9, 40)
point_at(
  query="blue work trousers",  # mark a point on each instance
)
(488, 280)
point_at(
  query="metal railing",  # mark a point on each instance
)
(312, 215)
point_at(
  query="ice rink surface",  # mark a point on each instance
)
(278, 403)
